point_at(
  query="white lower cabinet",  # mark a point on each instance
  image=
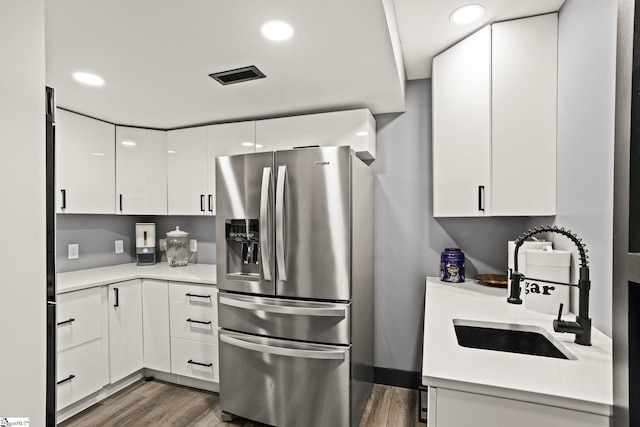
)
(194, 322)
(155, 325)
(79, 372)
(194, 330)
(79, 318)
(125, 329)
(452, 408)
(80, 342)
(107, 333)
(194, 359)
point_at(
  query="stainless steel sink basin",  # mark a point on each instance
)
(511, 338)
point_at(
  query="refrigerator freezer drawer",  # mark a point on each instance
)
(318, 322)
(284, 383)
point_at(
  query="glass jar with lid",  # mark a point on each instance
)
(178, 248)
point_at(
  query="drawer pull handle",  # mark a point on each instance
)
(66, 321)
(208, 365)
(198, 296)
(208, 322)
(69, 378)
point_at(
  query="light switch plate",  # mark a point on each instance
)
(119, 246)
(73, 251)
(193, 245)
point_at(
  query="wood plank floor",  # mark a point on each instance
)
(157, 403)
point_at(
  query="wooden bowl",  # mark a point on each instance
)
(493, 280)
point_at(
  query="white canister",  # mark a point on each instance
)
(522, 257)
(547, 264)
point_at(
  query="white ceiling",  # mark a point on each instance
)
(425, 29)
(156, 55)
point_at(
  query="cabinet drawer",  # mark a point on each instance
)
(194, 322)
(194, 359)
(197, 295)
(79, 372)
(78, 317)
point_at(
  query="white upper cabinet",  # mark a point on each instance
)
(187, 171)
(494, 121)
(141, 171)
(524, 77)
(85, 164)
(226, 139)
(356, 128)
(191, 155)
(462, 127)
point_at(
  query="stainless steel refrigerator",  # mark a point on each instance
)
(294, 231)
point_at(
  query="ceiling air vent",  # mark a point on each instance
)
(238, 75)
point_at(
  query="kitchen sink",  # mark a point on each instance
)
(511, 338)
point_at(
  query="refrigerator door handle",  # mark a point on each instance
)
(284, 351)
(280, 248)
(265, 244)
(283, 309)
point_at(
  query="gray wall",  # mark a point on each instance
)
(586, 115)
(408, 240)
(96, 236)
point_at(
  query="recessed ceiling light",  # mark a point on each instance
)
(98, 154)
(467, 14)
(88, 79)
(362, 133)
(130, 143)
(276, 30)
(171, 152)
(248, 144)
(258, 145)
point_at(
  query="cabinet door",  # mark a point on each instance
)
(355, 128)
(141, 171)
(524, 98)
(125, 329)
(85, 164)
(155, 325)
(226, 140)
(462, 128)
(187, 171)
(482, 410)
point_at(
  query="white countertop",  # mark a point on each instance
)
(82, 279)
(585, 384)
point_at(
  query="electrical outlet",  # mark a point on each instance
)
(119, 246)
(73, 251)
(193, 245)
(163, 245)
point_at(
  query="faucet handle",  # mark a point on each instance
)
(560, 312)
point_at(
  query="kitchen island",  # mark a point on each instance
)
(470, 386)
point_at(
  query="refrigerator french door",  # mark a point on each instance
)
(295, 276)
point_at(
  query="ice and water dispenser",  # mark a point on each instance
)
(243, 248)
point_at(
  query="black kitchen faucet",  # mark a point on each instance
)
(582, 326)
